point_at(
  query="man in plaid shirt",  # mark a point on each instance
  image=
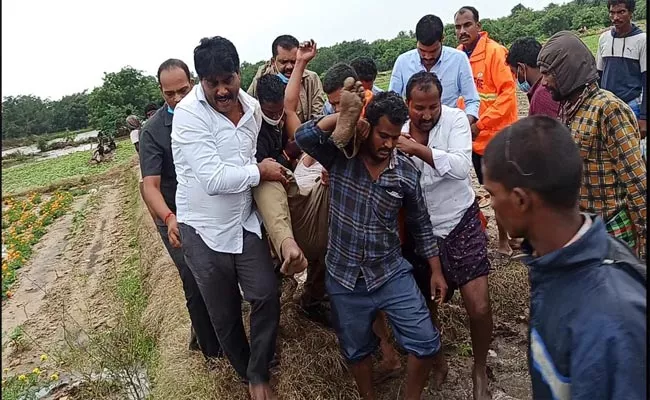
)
(606, 132)
(366, 270)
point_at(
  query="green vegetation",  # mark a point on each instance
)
(42, 173)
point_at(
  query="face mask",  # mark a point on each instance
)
(523, 86)
(170, 110)
(273, 122)
(283, 78)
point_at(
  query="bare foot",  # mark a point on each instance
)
(439, 370)
(504, 248)
(294, 260)
(480, 382)
(389, 367)
(515, 244)
(261, 391)
(351, 105)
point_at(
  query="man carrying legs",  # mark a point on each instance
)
(366, 270)
(214, 135)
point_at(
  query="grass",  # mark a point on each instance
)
(125, 350)
(383, 79)
(42, 173)
(33, 139)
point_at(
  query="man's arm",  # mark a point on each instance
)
(191, 135)
(418, 222)
(396, 83)
(151, 159)
(493, 116)
(599, 59)
(313, 137)
(456, 161)
(468, 89)
(600, 350)
(622, 143)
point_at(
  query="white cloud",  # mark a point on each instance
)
(51, 49)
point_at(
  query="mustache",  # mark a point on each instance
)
(224, 98)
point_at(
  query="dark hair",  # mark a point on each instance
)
(287, 42)
(424, 81)
(629, 4)
(540, 146)
(150, 107)
(524, 50)
(429, 30)
(171, 64)
(215, 56)
(365, 68)
(470, 9)
(336, 75)
(389, 104)
(270, 89)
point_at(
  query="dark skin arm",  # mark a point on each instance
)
(306, 52)
(155, 201)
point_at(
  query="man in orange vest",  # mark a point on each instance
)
(496, 88)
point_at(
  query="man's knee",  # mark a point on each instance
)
(476, 298)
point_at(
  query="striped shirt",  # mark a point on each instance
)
(614, 174)
(363, 229)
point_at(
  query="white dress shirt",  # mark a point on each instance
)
(447, 188)
(216, 169)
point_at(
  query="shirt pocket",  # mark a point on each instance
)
(386, 202)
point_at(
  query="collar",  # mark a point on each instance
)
(167, 119)
(534, 88)
(443, 52)
(568, 110)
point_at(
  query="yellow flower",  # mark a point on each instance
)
(6, 370)
(54, 377)
(36, 371)
(43, 357)
(22, 378)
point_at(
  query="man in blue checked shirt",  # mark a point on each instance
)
(450, 65)
(366, 270)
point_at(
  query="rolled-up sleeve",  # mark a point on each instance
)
(313, 141)
(191, 135)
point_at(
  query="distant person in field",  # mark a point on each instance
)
(214, 135)
(605, 128)
(150, 109)
(281, 64)
(451, 65)
(366, 272)
(496, 88)
(588, 291)
(133, 123)
(621, 60)
(159, 193)
(366, 71)
(439, 140)
(522, 60)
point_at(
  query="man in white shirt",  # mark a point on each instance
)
(439, 139)
(214, 135)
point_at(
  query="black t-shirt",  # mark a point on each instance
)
(156, 154)
(270, 143)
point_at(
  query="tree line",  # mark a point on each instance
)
(129, 90)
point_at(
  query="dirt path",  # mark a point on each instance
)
(59, 290)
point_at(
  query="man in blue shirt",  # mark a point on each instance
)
(451, 65)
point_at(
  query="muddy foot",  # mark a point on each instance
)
(294, 260)
(480, 382)
(388, 369)
(504, 248)
(351, 106)
(261, 391)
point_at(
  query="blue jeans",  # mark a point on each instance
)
(353, 313)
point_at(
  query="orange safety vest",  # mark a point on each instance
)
(496, 89)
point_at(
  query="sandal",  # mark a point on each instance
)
(484, 201)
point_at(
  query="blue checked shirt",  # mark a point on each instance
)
(363, 229)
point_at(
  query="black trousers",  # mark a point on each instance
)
(217, 275)
(205, 333)
(476, 161)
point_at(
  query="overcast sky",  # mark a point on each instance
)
(54, 48)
